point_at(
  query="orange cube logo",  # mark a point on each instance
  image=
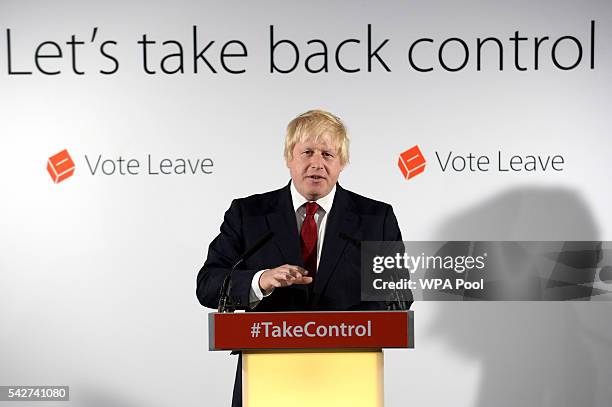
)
(60, 166)
(411, 162)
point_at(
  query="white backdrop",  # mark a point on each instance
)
(97, 273)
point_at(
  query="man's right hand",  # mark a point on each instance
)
(283, 276)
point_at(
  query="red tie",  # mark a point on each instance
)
(308, 239)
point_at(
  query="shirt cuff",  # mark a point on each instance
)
(255, 294)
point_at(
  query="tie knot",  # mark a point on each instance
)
(311, 208)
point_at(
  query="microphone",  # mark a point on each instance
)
(400, 301)
(226, 287)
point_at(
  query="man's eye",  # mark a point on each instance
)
(307, 152)
(329, 155)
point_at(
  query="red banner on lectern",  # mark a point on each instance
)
(311, 330)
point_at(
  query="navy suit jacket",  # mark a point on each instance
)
(337, 286)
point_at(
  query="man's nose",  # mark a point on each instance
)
(316, 160)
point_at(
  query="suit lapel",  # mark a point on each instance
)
(342, 226)
(282, 222)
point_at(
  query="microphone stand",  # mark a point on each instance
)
(224, 304)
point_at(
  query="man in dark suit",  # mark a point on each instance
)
(312, 262)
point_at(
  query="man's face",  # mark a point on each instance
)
(314, 168)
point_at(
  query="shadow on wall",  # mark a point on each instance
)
(530, 353)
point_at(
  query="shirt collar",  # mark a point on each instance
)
(325, 203)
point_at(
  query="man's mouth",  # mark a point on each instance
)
(315, 177)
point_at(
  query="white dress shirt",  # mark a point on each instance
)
(299, 206)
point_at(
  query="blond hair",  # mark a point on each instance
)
(317, 125)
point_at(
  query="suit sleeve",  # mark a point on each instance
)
(392, 232)
(223, 252)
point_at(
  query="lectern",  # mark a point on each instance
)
(312, 358)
